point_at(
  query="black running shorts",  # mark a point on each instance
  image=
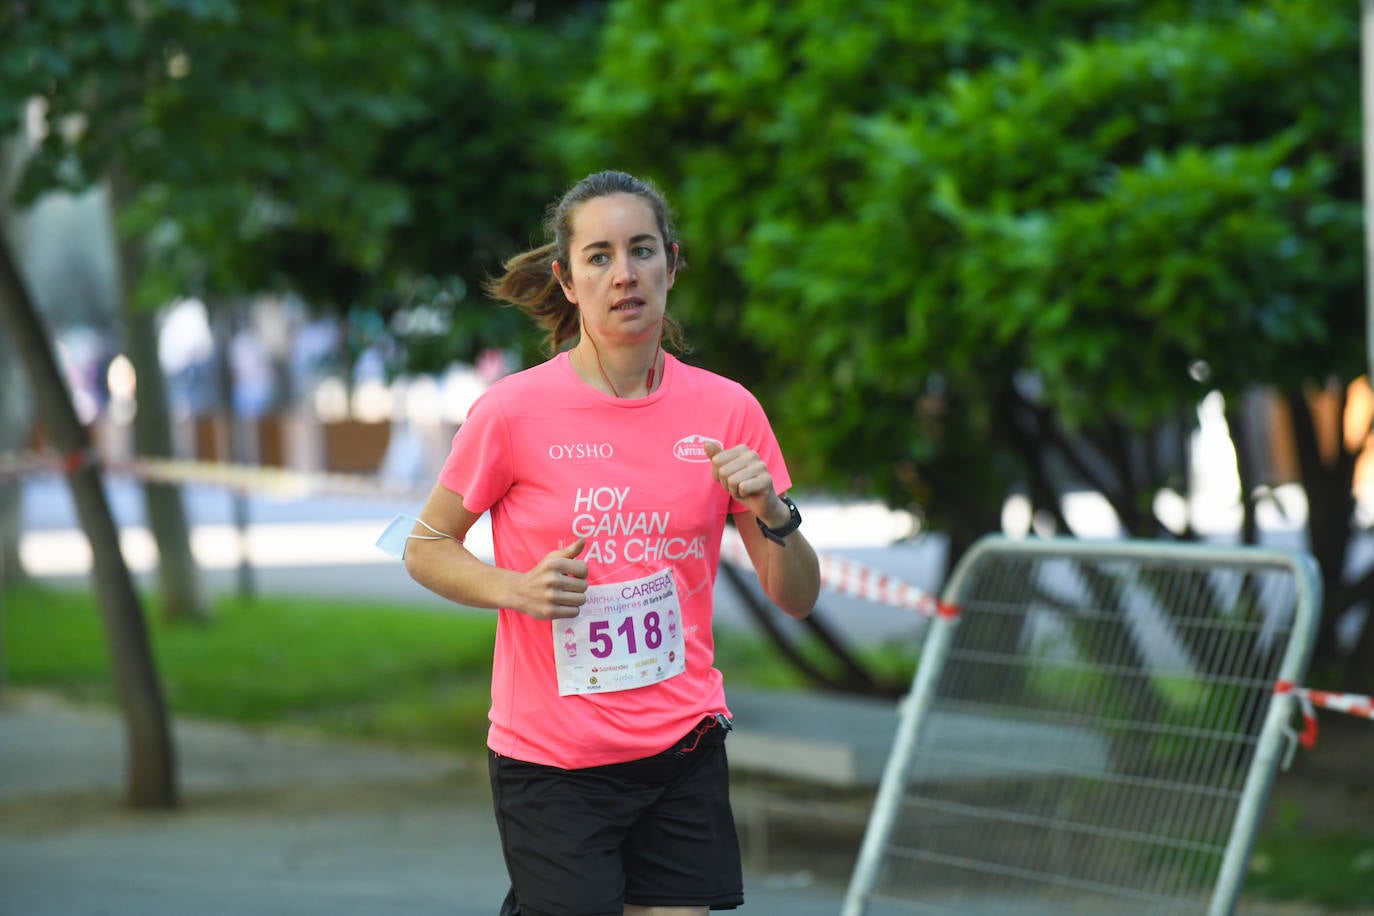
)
(651, 832)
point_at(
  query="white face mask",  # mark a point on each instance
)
(397, 534)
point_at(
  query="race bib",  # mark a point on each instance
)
(628, 635)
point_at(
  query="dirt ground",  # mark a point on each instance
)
(1330, 786)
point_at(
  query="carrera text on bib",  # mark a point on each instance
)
(628, 635)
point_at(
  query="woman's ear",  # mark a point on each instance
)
(563, 282)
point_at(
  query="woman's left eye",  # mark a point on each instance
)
(641, 251)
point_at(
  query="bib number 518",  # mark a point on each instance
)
(602, 637)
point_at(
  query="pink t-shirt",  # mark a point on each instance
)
(553, 459)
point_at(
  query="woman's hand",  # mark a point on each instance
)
(556, 587)
(745, 476)
(790, 575)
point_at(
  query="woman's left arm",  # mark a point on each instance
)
(789, 572)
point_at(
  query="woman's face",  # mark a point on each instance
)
(618, 272)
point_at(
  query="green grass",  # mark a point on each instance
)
(406, 676)
(1331, 869)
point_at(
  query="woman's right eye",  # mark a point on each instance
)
(599, 258)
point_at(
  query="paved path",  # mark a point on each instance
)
(270, 824)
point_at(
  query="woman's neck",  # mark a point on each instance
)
(622, 372)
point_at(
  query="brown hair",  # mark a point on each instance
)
(528, 282)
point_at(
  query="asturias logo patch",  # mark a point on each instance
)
(692, 448)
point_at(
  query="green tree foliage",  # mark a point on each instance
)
(479, 167)
(360, 154)
(967, 247)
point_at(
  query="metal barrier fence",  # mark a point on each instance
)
(1096, 731)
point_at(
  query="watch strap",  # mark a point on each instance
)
(777, 535)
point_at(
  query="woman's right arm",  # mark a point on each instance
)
(556, 587)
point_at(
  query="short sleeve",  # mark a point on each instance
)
(756, 432)
(479, 464)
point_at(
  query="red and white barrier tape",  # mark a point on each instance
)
(1351, 703)
(23, 464)
(851, 578)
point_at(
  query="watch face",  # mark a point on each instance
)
(791, 525)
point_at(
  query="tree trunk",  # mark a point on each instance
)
(15, 419)
(226, 325)
(1331, 506)
(11, 503)
(1360, 672)
(1246, 472)
(151, 774)
(179, 581)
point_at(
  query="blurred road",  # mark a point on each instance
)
(325, 548)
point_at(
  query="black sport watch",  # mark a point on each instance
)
(776, 535)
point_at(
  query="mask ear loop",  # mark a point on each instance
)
(436, 536)
(394, 539)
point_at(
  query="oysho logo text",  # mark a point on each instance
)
(582, 451)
